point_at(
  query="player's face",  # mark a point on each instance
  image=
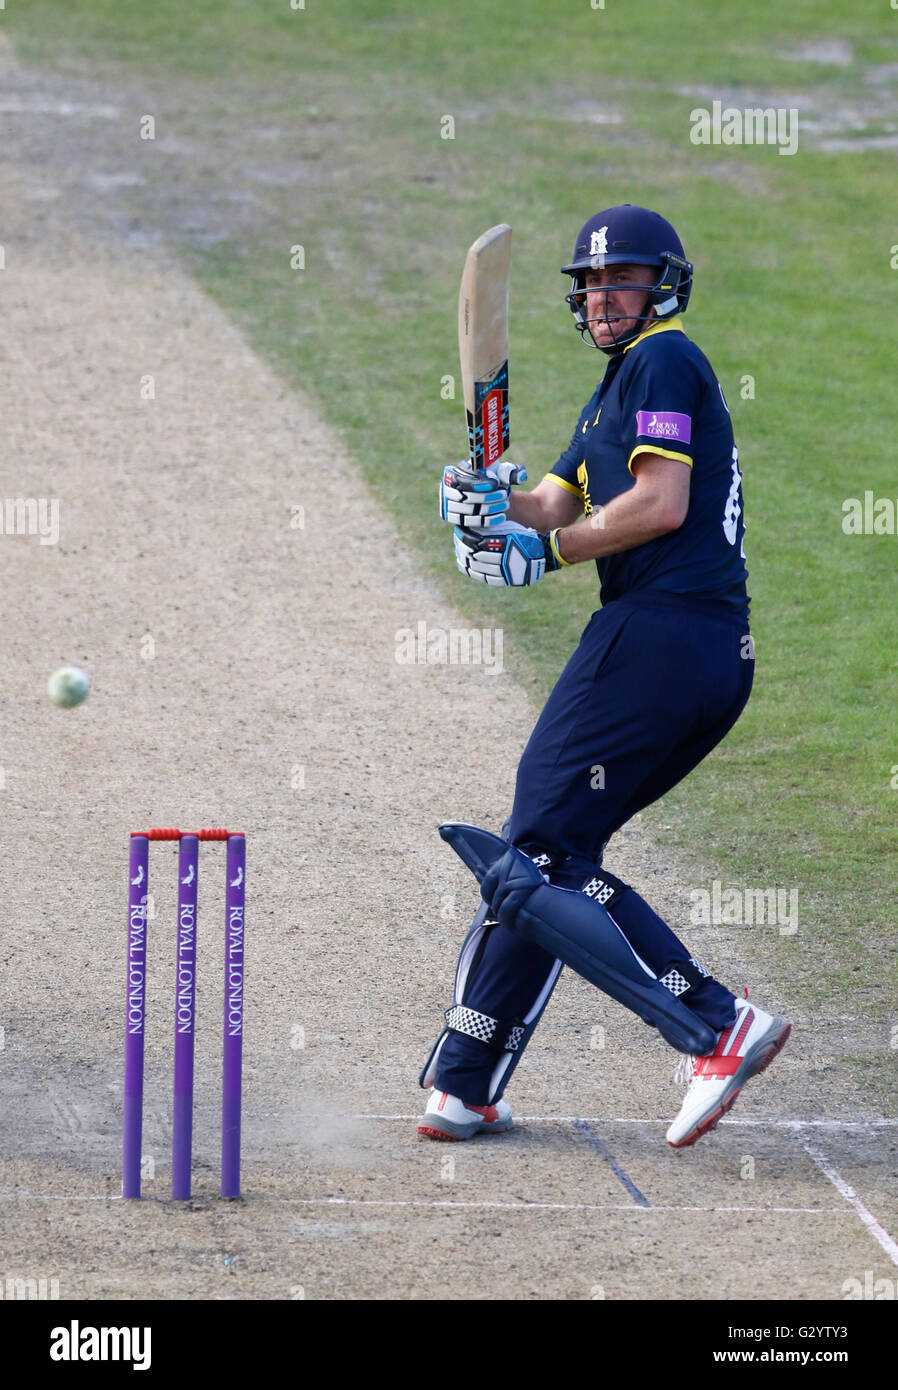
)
(612, 300)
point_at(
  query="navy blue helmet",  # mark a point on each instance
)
(629, 235)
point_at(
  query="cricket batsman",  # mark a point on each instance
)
(649, 489)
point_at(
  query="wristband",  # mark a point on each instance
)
(553, 546)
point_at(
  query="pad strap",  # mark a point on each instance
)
(604, 888)
(543, 859)
(683, 975)
(499, 1034)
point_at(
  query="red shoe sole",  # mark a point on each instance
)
(428, 1132)
(710, 1123)
(714, 1119)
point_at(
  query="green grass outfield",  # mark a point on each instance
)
(559, 110)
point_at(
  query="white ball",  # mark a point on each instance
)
(68, 686)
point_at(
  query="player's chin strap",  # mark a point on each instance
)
(664, 309)
(577, 928)
(618, 344)
(583, 323)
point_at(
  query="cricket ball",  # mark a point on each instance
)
(68, 686)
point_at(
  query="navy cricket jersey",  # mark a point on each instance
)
(660, 396)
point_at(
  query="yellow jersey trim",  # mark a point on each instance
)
(652, 449)
(569, 487)
(662, 327)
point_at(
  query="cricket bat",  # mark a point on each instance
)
(483, 344)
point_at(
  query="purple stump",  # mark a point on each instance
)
(185, 1017)
(233, 1018)
(135, 1015)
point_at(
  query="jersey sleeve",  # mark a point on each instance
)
(566, 473)
(661, 402)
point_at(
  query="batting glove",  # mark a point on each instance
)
(478, 497)
(507, 554)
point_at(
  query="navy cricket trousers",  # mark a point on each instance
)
(656, 682)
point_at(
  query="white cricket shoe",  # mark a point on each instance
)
(447, 1117)
(745, 1048)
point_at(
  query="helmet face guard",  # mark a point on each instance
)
(628, 236)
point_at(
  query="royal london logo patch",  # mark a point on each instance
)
(664, 424)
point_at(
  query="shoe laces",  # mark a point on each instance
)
(685, 1070)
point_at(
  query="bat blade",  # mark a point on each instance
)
(483, 344)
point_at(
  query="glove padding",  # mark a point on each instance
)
(478, 498)
(508, 554)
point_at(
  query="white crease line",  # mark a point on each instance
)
(815, 1124)
(261, 1199)
(623, 1120)
(878, 1232)
(546, 1206)
(60, 1197)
